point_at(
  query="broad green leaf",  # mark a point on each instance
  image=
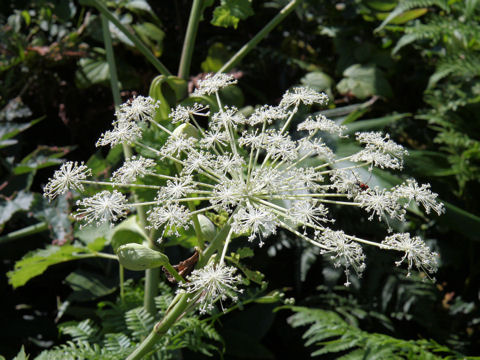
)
(363, 81)
(36, 262)
(128, 231)
(10, 130)
(319, 81)
(40, 158)
(230, 12)
(216, 57)
(151, 35)
(94, 237)
(374, 124)
(88, 286)
(92, 71)
(21, 202)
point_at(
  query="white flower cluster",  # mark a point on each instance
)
(212, 283)
(261, 174)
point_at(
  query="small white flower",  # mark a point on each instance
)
(132, 169)
(257, 222)
(123, 132)
(183, 113)
(345, 252)
(139, 109)
(68, 177)
(417, 253)
(212, 283)
(212, 83)
(380, 150)
(214, 137)
(379, 203)
(266, 114)
(176, 144)
(303, 95)
(176, 189)
(321, 123)
(103, 207)
(172, 216)
(308, 212)
(228, 117)
(420, 194)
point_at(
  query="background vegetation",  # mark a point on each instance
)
(410, 67)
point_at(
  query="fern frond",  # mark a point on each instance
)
(82, 331)
(118, 343)
(139, 322)
(331, 334)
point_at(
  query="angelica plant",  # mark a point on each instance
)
(260, 171)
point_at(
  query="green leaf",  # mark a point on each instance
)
(40, 158)
(169, 90)
(363, 81)
(128, 231)
(216, 57)
(92, 71)
(9, 130)
(374, 124)
(89, 286)
(21, 355)
(231, 12)
(36, 262)
(22, 201)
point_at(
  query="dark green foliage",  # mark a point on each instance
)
(329, 333)
(125, 323)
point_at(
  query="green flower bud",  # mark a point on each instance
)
(188, 130)
(208, 228)
(139, 257)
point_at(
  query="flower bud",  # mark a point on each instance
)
(208, 228)
(188, 130)
(140, 257)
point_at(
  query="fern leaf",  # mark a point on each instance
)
(81, 331)
(139, 322)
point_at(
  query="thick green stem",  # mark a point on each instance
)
(138, 44)
(259, 37)
(26, 231)
(161, 328)
(189, 41)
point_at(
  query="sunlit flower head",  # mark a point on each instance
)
(211, 284)
(262, 172)
(68, 177)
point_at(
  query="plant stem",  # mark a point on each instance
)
(235, 59)
(151, 275)
(138, 44)
(161, 328)
(26, 231)
(189, 41)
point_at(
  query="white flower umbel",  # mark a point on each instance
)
(68, 177)
(103, 207)
(258, 173)
(211, 284)
(138, 109)
(212, 83)
(417, 253)
(132, 169)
